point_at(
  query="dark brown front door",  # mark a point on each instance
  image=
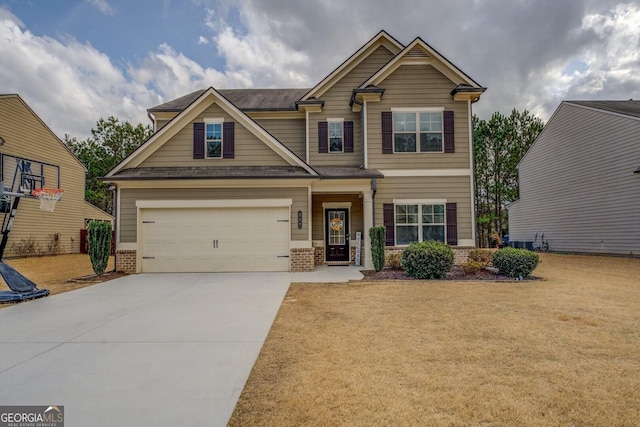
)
(337, 234)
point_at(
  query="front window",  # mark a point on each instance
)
(213, 140)
(336, 140)
(417, 132)
(419, 223)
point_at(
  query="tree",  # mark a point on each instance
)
(111, 142)
(499, 145)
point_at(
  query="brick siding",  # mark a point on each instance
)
(126, 261)
(302, 259)
(460, 253)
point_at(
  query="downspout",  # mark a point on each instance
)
(355, 101)
(114, 191)
(374, 188)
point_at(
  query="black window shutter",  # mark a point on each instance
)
(452, 224)
(389, 224)
(198, 140)
(323, 137)
(387, 132)
(348, 137)
(449, 140)
(228, 140)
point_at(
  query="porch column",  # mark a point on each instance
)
(367, 213)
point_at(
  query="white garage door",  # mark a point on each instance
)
(215, 239)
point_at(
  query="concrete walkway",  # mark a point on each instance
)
(162, 350)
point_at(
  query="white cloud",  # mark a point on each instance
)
(203, 40)
(103, 6)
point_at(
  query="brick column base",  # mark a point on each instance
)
(126, 261)
(302, 259)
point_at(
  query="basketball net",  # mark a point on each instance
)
(48, 197)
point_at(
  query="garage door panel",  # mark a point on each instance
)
(215, 239)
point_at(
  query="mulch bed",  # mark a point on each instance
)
(92, 278)
(456, 274)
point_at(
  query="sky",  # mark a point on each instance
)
(75, 62)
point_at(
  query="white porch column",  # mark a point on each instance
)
(367, 213)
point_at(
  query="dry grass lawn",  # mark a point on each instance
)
(564, 351)
(54, 272)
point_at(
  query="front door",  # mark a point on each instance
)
(337, 234)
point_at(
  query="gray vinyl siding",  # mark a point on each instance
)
(290, 132)
(577, 184)
(418, 86)
(452, 189)
(249, 150)
(128, 210)
(336, 105)
(27, 136)
(318, 213)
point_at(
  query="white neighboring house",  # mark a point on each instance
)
(580, 181)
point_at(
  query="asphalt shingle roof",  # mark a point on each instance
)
(629, 108)
(244, 99)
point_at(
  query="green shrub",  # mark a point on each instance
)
(377, 236)
(472, 267)
(427, 260)
(393, 262)
(483, 256)
(99, 238)
(515, 262)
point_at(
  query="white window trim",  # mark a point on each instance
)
(214, 121)
(417, 112)
(329, 121)
(418, 202)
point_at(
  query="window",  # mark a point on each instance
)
(417, 132)
(213, 140)
(336, 136)
(419, 222)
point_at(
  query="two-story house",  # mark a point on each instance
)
(285, 179)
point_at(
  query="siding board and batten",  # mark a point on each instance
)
(577, 184)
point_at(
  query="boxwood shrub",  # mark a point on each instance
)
(427, 260)
(515, 262)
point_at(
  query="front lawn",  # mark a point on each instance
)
(559, 351)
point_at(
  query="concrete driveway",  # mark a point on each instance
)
(162, 350)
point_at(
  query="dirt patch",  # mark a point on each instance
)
(61, 273)
(559, 351)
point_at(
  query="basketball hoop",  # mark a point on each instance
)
(48, 197)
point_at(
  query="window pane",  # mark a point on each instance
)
(430, 142)
(431, 122)
(433, 232)
(406, 234)
(214, 131)
(335, 129)
(405, 142)
(214, 149)
(404, 122)
(335, 144)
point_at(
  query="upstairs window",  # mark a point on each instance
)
(417, 131)
(336, 136)
(213, 140)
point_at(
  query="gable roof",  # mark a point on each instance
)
(418, 51)
(244, 99)
(189, 113)
(44, 125)
(380, 39)
(627, 108)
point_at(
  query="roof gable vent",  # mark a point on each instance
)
(417, 53)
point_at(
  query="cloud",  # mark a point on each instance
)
(203, 40)
(103, 6)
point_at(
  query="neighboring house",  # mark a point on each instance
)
(580, 181)
(26, 136)
(285, 179)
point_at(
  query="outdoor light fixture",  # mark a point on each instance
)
(299, 219)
